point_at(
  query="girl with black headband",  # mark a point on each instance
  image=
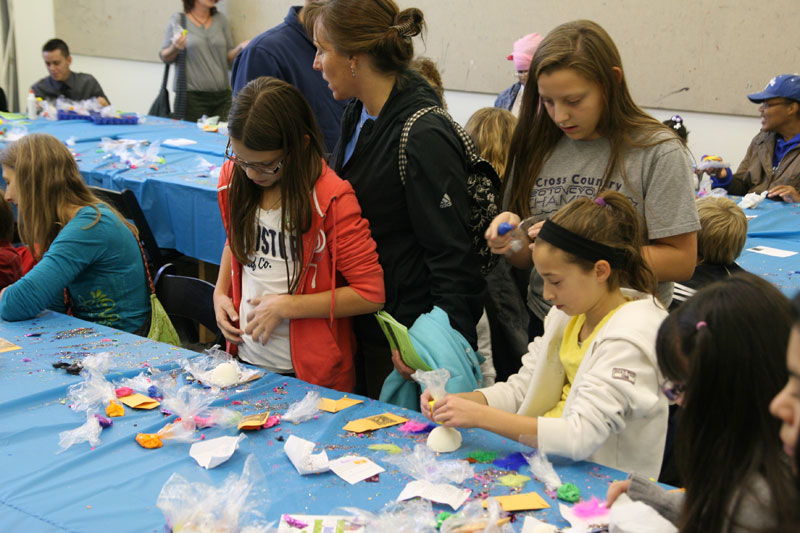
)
(589, 388)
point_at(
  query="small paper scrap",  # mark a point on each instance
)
(255, 421)
(212, 453)
(774, 252)
(178, 142)
(311, 523)
(521, 502)
(6, 346)
(513, 480)
(139, 401)
(300, 453)
(391, 449)
(354, 468)
(436, 492)
(372, 423)
(334, 406)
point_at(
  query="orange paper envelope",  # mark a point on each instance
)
(6, 346)
(521, 502)
(372, 423)
(334, 406)
(255, 421)
(139, 401)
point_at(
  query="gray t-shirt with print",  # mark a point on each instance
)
(206, 52)
(658, 180)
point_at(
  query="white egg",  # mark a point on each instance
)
(443, 440)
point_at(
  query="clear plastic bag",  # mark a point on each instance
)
(422, 464)
(188, 402)
(206, 168)
(88, 432)
(218, 417)
(92, 394)
(303, 410)
(543, 469)
(475, 518)
(435, 381)
(216, 368)
(98, 364)
(231, 508)
(413, 516)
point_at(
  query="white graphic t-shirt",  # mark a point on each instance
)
(266, 274)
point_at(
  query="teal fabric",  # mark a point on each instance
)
(440, 346)
(101, 265)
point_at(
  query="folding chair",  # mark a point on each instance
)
(188, 301)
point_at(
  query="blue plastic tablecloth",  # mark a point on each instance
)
(775, 220)
(178, 198)
(114, 486)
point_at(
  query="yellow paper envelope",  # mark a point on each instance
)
(374, 422)
(334, 406)
(255, 421)
(6, 346)
(139, 401)
(521, 502)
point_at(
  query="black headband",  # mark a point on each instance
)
(582, 247)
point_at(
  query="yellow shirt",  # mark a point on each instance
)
(571, 354)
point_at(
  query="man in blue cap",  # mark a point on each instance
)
(772, 162)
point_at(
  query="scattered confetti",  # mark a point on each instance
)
(513, 480)
(414, 426)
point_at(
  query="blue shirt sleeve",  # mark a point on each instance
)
(75, 247)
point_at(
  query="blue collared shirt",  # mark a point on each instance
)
(781, 147)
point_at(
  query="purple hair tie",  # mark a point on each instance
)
(599, 201)
(701, 324)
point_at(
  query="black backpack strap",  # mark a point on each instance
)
(469, 146)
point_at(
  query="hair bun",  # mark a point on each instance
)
(408, 23)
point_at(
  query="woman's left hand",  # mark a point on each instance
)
(402, 368)
(786, 192)
(265, 316)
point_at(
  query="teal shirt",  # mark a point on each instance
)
(101, 266)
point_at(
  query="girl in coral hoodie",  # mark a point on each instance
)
(299, 260)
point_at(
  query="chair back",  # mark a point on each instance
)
(184, 297)
(126, 203)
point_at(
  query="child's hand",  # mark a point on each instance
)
(264, 317)
(615, 489)
(500, 244)
(402, 368)
(425, 405)
(452, 411)
(226, 315)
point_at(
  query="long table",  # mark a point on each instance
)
(774, 224)
(114, 486)
(178, 197)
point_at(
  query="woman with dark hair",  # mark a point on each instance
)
(723, 353)
(205, 35)
(364, 51)
(299, 258)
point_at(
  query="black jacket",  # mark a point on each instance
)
(421, 229)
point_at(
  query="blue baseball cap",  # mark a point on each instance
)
(783, 86)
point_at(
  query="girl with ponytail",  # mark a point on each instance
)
(589, 388)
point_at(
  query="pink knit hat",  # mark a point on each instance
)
(524, 48)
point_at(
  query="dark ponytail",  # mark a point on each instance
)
(374, 27)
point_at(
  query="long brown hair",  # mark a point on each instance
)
(491, 128)
(269, 114)
(727, 346)
(614, 224)
(49, 185)
(585, 47)
(374, 27)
